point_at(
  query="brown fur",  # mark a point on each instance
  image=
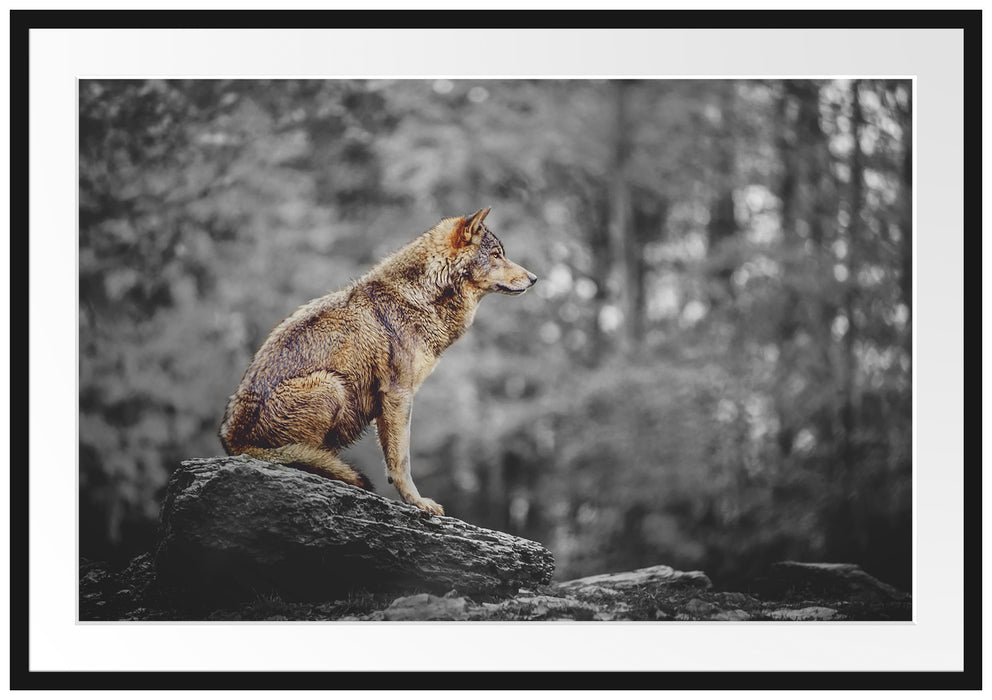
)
(359, 354)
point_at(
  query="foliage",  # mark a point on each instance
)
(714, 370)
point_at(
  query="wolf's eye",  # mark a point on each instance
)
(495, 255)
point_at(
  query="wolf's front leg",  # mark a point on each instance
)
(393, 427)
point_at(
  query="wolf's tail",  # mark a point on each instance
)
(311, 459)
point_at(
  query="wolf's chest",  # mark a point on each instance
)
(421, 366)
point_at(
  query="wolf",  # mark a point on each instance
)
(359, 354)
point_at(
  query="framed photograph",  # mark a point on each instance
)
(721, 431)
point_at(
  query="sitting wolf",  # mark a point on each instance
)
(359, 354)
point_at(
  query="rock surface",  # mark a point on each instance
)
(234, 528)
(819, 579)
(651, 577)
(246, 540)
(653, 594)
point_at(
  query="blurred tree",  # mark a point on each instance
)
(626, 275)
(722, 229)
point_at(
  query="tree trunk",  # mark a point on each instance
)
(906, 221)
(848, 405)
(722, 227)
(624, 277)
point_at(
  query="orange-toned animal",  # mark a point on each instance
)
(359, 354)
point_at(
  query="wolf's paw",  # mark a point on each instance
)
(430, 506)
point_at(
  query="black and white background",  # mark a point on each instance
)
(714, 372)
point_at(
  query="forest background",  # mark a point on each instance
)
(713, 372)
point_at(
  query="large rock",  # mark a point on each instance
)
(651, 577)
(827, 580)
(236, 528)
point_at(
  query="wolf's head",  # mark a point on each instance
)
(480, 260)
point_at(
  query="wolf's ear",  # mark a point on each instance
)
(470, 226)
(475, 221)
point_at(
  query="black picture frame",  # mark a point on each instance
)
(21, 24)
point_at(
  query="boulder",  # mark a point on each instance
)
(827, 580)
(235, 528)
